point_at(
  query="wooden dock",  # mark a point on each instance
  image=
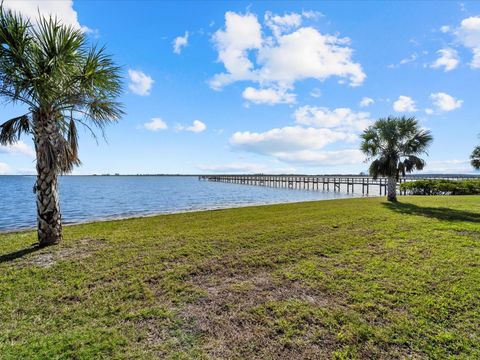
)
(337, 183)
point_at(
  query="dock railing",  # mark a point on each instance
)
(336, 183)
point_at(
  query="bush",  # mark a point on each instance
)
(442, 187)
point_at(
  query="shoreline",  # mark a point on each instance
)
(174, 212)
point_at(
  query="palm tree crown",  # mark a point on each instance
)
(475, 158)
(49, 68)
(395, 145)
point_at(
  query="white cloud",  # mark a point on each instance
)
(445, 29)
(429, 111)
(404, 61)
(341, 118)
(196, 127)
(448, 60)
(156, 124)
(366, 101)
(311, 14)
(140, 83)
(287, 139)
(448, 167)
(270, 96)
(445, 102)
(322, 158)
(244, 168)
(18, 148)
(234, 167)
(469, 35)
(316, 93)
(63, 10)
(4, 169)
(404, 104)
(274, 62)
(281, 24)
(180, 42)
(242, 33)
(323, 56)
(26, 171)
(304, 144)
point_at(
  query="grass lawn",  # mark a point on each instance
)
(343, 279)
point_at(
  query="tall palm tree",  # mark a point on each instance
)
(395, 144)
(475, 158)
(61, 83)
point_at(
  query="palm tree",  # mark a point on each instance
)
(475, 158)
(395, 144)
(62, 83)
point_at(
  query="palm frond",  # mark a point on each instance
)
(16, 68)
(50, 68)
(12, 130)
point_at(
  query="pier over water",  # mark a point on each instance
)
(338, 183)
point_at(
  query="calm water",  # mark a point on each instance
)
(86, 198)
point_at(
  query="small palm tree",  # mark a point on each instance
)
(475, 158)
(395, 144)
(62, 83)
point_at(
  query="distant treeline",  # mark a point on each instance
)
(442, 187)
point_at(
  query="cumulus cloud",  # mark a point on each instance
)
(244, 168)
(366, 101)
(62, 10)
(448, 167)
(469, 35)
(196, 127)
(306, 53)
(234, 167)
(445, 102)
(311, 14)
(242, 33)
(180, 42)
(404, 61)
(448, 60)
(156, 124)
(287, 139)
(269, 96)
(404, 104)
(322, 158)
(341, 118)
(281, 24)
(4, 169)
(304, 143)
(140, 83)
(292, 54)
(18, 148)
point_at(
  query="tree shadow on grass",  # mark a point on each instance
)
(440, 213)
(18, 254)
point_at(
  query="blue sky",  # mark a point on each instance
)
(273, 86)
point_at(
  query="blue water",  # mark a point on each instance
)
(87, 198)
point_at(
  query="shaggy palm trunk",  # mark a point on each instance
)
(392, 189)
(49, 219)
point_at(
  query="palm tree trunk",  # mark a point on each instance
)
(49, 218)
(392, 189)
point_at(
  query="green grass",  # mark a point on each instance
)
(341, 279)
